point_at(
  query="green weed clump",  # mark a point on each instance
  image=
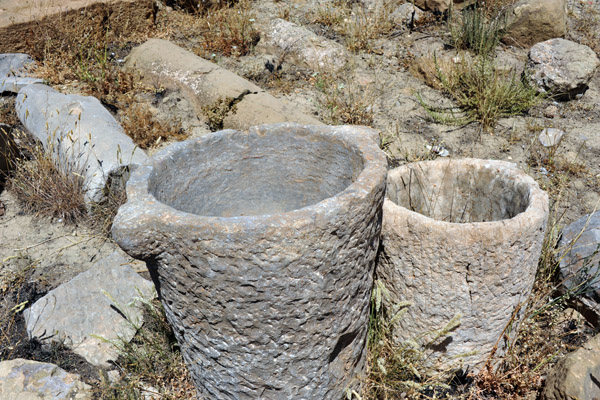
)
(483, 93)
(474, 31)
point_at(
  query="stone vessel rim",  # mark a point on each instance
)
(538, 199)
(139, 193)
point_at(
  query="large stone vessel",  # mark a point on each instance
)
(262, 245)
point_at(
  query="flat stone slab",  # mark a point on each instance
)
(79, 129)
(13, 74)
(579, 268)
(90, 311)
(30, 380)
(203, 83)
(302, 47)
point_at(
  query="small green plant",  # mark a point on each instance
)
(344, 102)
(474, 31)
(482, 93)
(218, 111)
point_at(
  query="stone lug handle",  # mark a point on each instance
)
(262, 245)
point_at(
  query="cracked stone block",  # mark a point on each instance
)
(204, 83)
(13, 72)
(298, 45)
(79, 130)
(93, 311)
(29, 380)
(461, 237)
(263, 255)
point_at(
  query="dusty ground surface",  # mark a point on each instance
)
(380, 81)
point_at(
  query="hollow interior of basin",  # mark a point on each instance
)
(459, 192)
(241, 174)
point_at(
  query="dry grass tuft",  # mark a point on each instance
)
(228, 31)
(146, 130)
(46, 186)
(151, 363)
(343, 100)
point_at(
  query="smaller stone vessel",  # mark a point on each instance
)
(461, 237)
(262, 246)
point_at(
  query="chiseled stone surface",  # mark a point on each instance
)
(476, 255)
(82, 131)
(576, 375)
(203, 83)
(89, 311)
(580, 265)
(562, 68)
(298, 45)
(533, 21)
(31, 380)
(263, 253)
(13, 74)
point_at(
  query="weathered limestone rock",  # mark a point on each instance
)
(263, 254)
(90, 310)
(533, 21)
(29, 23)
(203, 83)
(13, 74)
(407, 14)
(433, 5)
(576, 376)
(461, 237)
(80, 130)
(298, 45)
(30, 380)
(580, 266)
(562, 68)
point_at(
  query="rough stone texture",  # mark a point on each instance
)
(79, 130)
(26, 24)
(533, 21)
(203, 83)
(263, 254)
(579, 268)
(407, 14)
(562, 68)
(298, 45)
(13, 74)
(576, 376)
(467, 242)
(92, 307)
(433, 5)
(31, 380)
